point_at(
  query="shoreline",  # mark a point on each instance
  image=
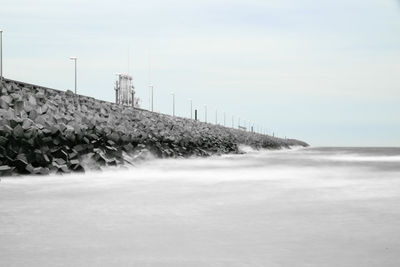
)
(45, 131)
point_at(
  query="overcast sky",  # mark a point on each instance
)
(327, 72)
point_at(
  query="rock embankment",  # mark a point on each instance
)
(43, 130)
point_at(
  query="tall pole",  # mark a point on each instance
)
(1, 54)
(150, 85)
(239, 123)
(149, 96)
(173, 104)
(216, 116)
(191, 109)
(224, 119)
(205, 113)
(75, 76)
(75, 59)
(232, 122)
(152, 98)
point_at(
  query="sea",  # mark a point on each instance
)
(299, 207)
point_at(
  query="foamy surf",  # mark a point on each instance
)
(263, 208)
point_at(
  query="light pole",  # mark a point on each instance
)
(173, 103)
(151, 104)
(1, 54)
(216, 116)
(205, 113)
(224, 119)
(74, 59)
(232, 122)
(239, 123)
(191, 108)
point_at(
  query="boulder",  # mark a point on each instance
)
(6, 170)
(3, 104)
(32, 100)
(7, 99)
(18, 131)
(26, 124)
(3, 140)
(20, 164)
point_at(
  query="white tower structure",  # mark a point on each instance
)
(125, 91)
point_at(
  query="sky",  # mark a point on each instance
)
(326, 72)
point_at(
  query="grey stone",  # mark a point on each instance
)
(6, 170)
(32, 100)
(27, 123)
(3, 104)
(18, 131)
(44, 171)
(59, 161)
(3, 141)
(20, 164)
(7, 99)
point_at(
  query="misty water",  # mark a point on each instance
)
(300, 207)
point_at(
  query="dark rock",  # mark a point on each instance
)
(59, 161)
(72, 155)
(44, 171)
(30, 168)
(69, 93)
(3, 141)
(27, 123)
(79, 148)
(21, 164)
(63, 169)
(6, 170)
(18, 131)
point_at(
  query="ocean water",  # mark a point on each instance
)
(300, 207)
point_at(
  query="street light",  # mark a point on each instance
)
(216, 116)
(205, 113)
(151, 95)
(224, 119)
(1, 54)
(173, 103)
(191, 108)
(74, 59)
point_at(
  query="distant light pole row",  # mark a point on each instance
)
(248, 124)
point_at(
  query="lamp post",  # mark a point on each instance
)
(239, 123)
(151, 103)
(1, 54)
(205, 113)
(75, 59)
(224, 119)
(173, 103)
(191, 108)
(216, 116)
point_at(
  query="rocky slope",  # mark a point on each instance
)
(43, 130)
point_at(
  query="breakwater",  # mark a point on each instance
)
(43, 130)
